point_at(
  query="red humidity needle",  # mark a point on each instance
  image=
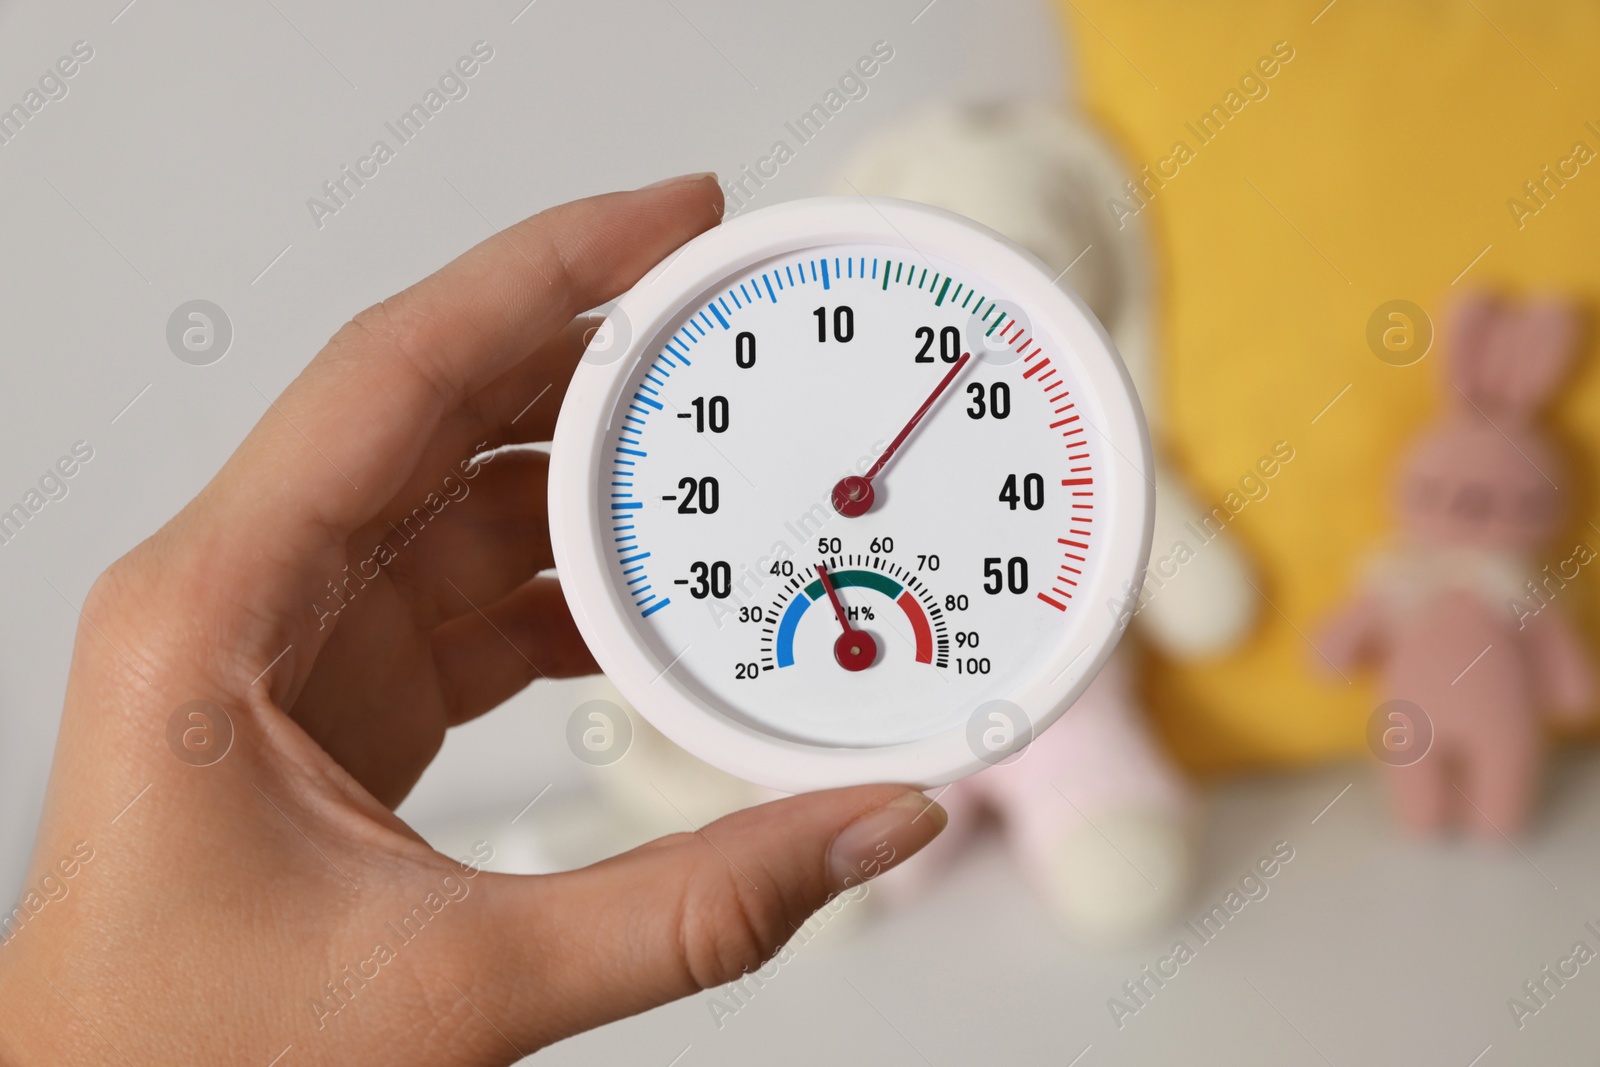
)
(853, 495)
(855, 649)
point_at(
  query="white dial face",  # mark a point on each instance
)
(727, 538)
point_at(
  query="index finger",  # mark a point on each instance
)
(342, 439)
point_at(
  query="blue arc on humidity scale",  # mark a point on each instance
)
(716, 315)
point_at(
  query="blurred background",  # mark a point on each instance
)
(1297, 260)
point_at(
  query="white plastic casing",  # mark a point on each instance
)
(578, 516)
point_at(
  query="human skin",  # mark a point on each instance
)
(219, 899)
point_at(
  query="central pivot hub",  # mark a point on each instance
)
(855, 650)
(853, 496)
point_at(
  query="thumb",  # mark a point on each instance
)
(689, 911)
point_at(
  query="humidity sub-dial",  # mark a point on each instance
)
(877, 611)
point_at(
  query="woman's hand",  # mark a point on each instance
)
(190, 909)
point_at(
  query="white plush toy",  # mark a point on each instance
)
(1098, 815)
(1043, 178)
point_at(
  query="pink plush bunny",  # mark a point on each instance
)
(1455, 617)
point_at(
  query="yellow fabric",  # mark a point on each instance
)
(1378, 166)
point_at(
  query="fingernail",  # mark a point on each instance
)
(880, 840)
(700, 176)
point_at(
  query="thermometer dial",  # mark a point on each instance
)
(847, 491)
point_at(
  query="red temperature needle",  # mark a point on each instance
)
(853, 494)
(855, 649)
